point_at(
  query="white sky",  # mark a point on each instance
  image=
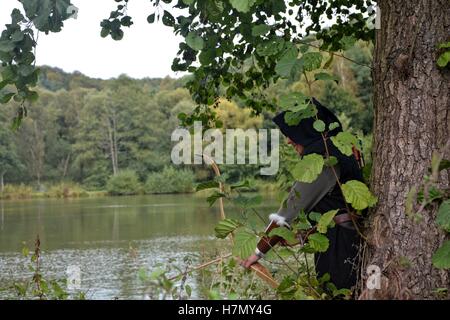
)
(147, 50)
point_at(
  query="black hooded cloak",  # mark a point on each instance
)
(341, 259)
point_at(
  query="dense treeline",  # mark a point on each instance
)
(85, 130)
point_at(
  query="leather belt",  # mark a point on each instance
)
(343, 217)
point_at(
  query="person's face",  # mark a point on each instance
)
(298, 147)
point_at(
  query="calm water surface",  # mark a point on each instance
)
(110, 239)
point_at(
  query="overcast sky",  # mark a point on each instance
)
(145, 51)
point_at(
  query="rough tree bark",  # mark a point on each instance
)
(412, 119)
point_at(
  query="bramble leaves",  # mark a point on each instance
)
(318, 242)
(308, 168)
(345, 141)
(319, 125)
(441, 258)
(358, 195)
(444, 58)
(331, 161)
(326, 221)
(333, 126)
(207, 185)
(284, 233)
(245, 243)
(214, 197)
(225, 227)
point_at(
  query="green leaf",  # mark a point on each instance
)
(315, 216)
(168, 19)
(288, 64)
(6, 96)
(331, 161)
(441, 258)
(242, 5)
(248, 202)
(358, 195)
(225, 227)
(245, 243)
(17, 36)
(308, 168)
(207, 185)
(188, 290)
(25, 251)
(194, 41)
(318, 242)
(303, 222)
(151, 18)
(295, 101)
(294, 118)
(444, 45)
(443, 216)
(333, 126)
(443, 59)
(240, 185)
(326, 77)
(345, 141)
(319, 125)
(7, 46)
(105, 32)
(260, 30)
(270, 47)
(311, 61)
(326, 221)
(213, 198)
(3, 84)
(284, 233)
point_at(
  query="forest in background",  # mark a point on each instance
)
(87, 134)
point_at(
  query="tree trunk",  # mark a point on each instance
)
(412, 118)
(111, 147)
(116, 156)
(66, 166)
(2, 184)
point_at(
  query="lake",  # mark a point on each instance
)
(110, 239)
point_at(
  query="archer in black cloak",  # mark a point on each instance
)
(340, 261)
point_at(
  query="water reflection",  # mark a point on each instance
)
(110, 239)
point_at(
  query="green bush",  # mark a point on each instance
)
(16, 192)
(170, 180)
(124, 183)
(66, 190)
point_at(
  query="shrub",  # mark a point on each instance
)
(170, 180)
(66, 190)
(16, 192)
(124, 183)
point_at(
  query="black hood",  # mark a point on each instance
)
(304, 132)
